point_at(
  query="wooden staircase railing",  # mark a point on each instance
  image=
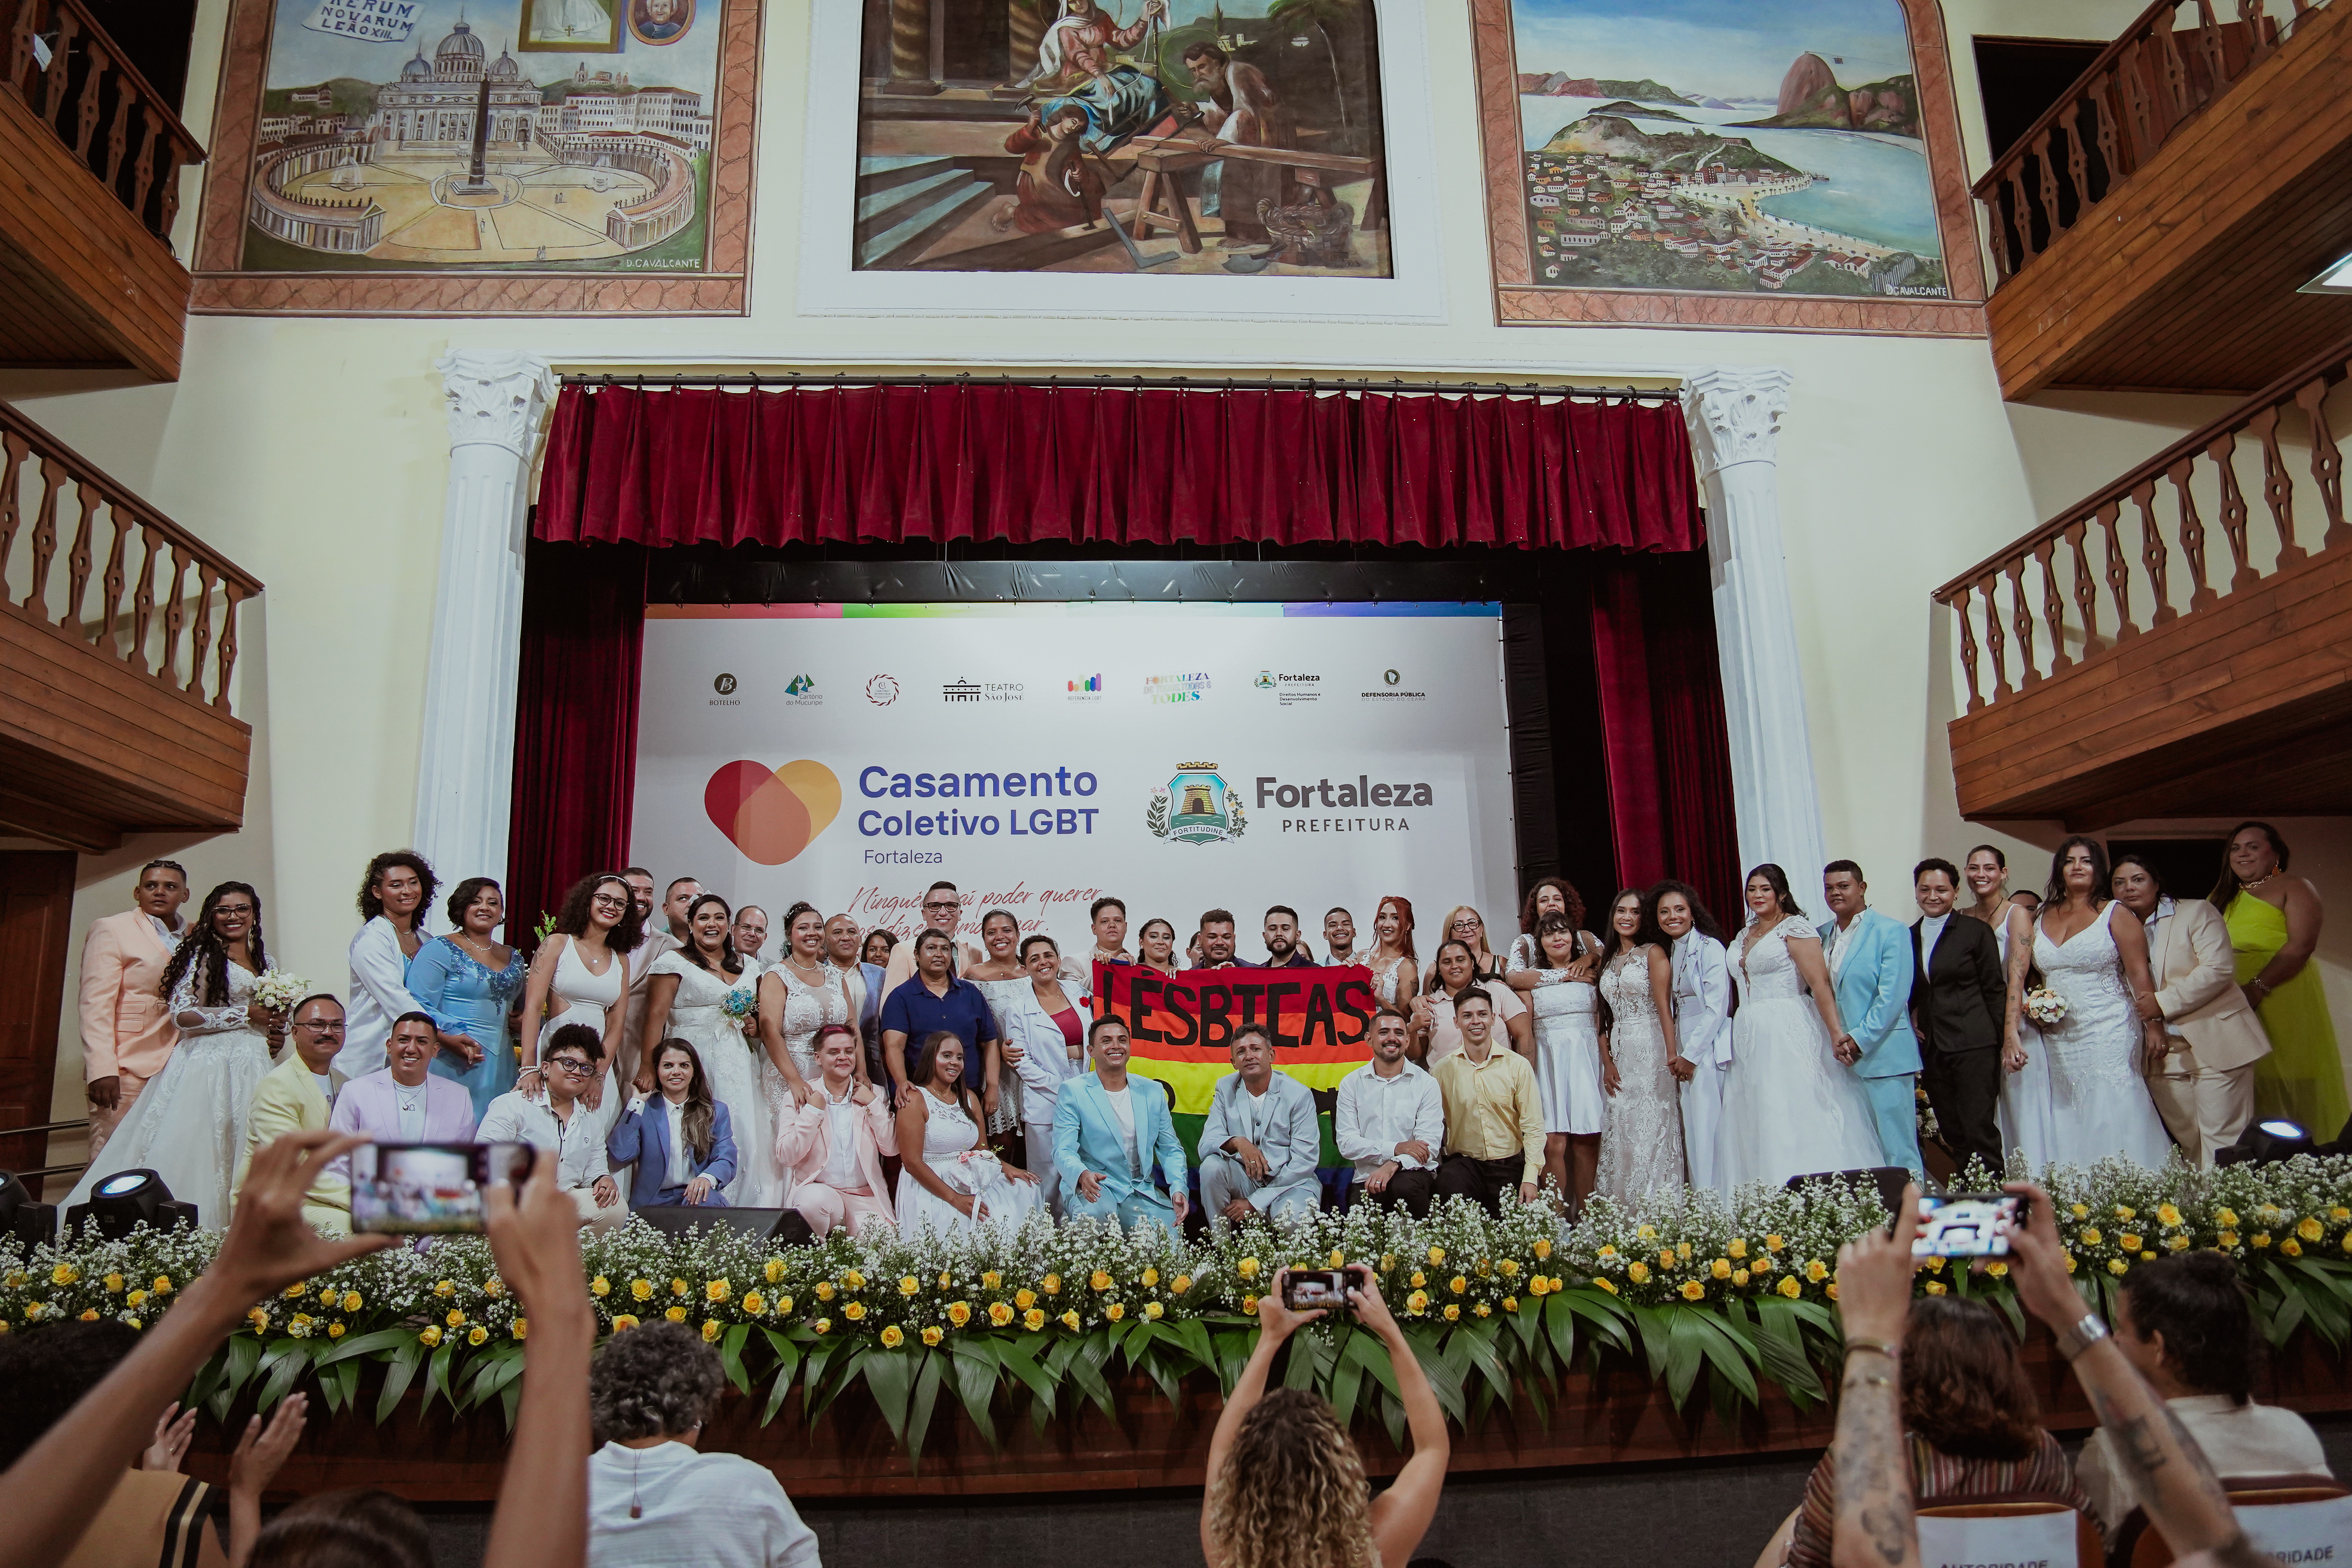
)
(57, 60)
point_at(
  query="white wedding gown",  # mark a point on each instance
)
(2028, 1125)
(952, 1148)
(2099, 1100)
(188, 1126)
(698, 1014)
(1790, 1107)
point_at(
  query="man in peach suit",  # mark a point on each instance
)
(832, 1149)
(127, 1034)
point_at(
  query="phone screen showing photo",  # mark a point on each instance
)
(1966, 1224)
(429, 1189)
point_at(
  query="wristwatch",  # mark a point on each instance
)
(2082, 1336)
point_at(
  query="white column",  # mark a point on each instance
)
(466, 766)
(1735, 426)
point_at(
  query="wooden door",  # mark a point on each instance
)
(37, 890)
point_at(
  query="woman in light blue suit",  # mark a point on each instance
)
(1870, 965)
(1109, 1130)
(679, 1139)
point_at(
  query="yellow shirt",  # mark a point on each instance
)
(1492, 1108)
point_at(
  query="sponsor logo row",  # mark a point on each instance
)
(883, 689)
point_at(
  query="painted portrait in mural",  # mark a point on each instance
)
(1776, 150)
(491, 134)
(1162, 138)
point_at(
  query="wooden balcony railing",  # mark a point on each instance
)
(166, 605)
(2146, 582)
(2165, 70)
(98, 104)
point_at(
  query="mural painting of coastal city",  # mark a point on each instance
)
(1724, 146)
(426, 135)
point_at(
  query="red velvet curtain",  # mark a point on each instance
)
(575, 767)
(1025, 464)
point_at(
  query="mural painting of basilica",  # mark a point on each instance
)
(570, 135)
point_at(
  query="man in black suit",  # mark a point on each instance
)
(1960, 999)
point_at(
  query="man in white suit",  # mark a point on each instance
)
(127, 1033)
(2204, 1086)
(1702, 1003)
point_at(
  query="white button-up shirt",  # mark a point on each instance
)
(578, 1144)
(1375, 1114)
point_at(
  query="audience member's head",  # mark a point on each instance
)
(47, 1373)
(358, 1529)
(658, 1381)
(1964, 1390)
(1292, 1488)
(2183, 1322)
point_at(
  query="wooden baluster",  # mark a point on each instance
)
(143, 172)
(2209, 45)
(1996, 639)
(2087, 588)
(93, 83)
(1997, 226)
(2017, 204)
(2021, 618)
(115, 579)
(2278, 490)
(1960, 607)
(2139, 106)
(60, 56)
(12, 500)
(2118, 573)
(176, 616)
(2078, 161)
(2326, 462)
(2172, 78)
(227, 646)
(2222, 449)
(2103, 89)
(78, 558)
(2153, 556)
(142, 599)
(2053, 606)
(203, 638)
(22, 28)
(118, 141)
(2193, 533)
(2253, 16)
(2049, 185)
(174, 156)
(44, 543)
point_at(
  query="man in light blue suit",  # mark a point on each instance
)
(1259, 1146)
(1870, 965)
(1107, 1135)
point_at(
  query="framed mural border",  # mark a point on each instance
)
(1413, 294)
(722, 288)
(1521, 301)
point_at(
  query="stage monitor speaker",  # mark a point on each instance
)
(785, 1226)
(1890, 1181)
(31, 1222)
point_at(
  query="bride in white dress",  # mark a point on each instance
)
(1790, 1107)
(2027, 1126)
(686, 997)
(189, 1125)
(799, 993)
(2099, 1101)
(951, 1181)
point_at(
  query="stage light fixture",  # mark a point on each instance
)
(122, 1200)
(29, 1221)
(2266, 1144)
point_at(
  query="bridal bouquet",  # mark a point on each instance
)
(742, 1006)
(277, 990)
(2044, 1006)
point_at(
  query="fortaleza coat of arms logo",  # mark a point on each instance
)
(1196, 807)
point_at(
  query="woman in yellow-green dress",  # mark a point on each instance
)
(2273, 921)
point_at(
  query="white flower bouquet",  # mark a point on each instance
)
(277, 990)
(2044, 1006)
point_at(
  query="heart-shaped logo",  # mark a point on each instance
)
(772, 814)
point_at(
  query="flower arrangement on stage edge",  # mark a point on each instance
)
(1698, 1291)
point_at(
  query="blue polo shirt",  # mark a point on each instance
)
(963, 1012)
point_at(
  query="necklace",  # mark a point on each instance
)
(2249, 885)
(794, 964)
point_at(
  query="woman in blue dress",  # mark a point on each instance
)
(468, 982)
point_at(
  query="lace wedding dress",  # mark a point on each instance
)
(1642, 1133)
(1790, 1107)
(2099, 1100)
(698, 1014)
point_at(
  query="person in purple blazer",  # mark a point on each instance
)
(404, 1101)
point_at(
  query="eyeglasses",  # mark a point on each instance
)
(942, 906)
(571, 1067)
(330, 1026)
(608, 901)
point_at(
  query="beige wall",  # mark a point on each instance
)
(314, 452)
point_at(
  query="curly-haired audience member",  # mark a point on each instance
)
(653, 1501)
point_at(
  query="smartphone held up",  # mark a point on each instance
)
(1306, 1289)
(1968, 1224)
(430, 1189)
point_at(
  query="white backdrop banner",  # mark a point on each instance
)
(1038, 756)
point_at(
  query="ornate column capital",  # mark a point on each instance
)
(1733, 414)
(496, 397)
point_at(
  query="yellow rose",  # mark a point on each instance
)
(136, 1298)
(2261, 1238)
(1998, 1270)
(2347, 1243)
(495, 1289)
(1666, 1257)
(2070, 1263)
(1417, 1303)
(428, 1336)
(2228, 1238)
(1024, 1299)
(1034, 1318)
(825, 1290)
(1934, 1265)
(933, 1334)
(1457, 1284)
(1115, 1312)
(1606, 1252)
(2123, 1213)
(64, 1273)
(1508, 1268)
(675, 1314)
(1683, 1250)
(717, 1290)
(1099, 1280)
(2290, 1247)
(2309, 1229)
(1557, 1284)
(2080, 1212)
(2178, 1243)
(162, 1286)
(1150, 1277)
(1543, 1247)
(679, 1286)
(1607, 1285)
(1436, 1255)
(947, 1281)
(1338, 1259)
(823, 1325)
(1763, 1264)
(2339, 1213)
(1937, 1287)
(600, 1286)
(990, 1279)
(1052, 1283)
(1830, 1289)
(113, 1283)
(892, 1337)
(1418, 1280)
(1181, 1283)
(456, 1319)
(754, 1303)
(641, 1289)
(959, 1313)
(1153, 1311)
(998, 1314)
(2227, 1219)
(1739, 1277)
(854, 1310)
(1816, 1270)
(2128, 1241)
(90, 1315)
(476, 1334)
(851, 1279)
(784, 1304)
(1693, 1291)
(1538, 1285)
(909, 1285)
(294, 1292)
(1638, 1273)
(1070, 1320)
(1720, 1268)
(1247, 1267)
(1774, 1243)
(623, 1320)
(774, 1271)
(2117, 1266)
(1645, 1232)
(521, 1329)
(1453, 1312)
(1388, 1262)
(2166, 1214)
(2091, 1237)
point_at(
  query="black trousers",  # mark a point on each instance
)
(1965, 1089)
(1408, 1190)
(1459, 1176)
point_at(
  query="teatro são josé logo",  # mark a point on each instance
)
(1196, 807)
(772, 814)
